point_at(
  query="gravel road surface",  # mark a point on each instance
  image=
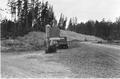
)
(82, 61)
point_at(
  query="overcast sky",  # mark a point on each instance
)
(84, 9)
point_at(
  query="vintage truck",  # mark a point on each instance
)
(53, 39)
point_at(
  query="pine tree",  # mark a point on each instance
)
(19, 8)
(25, 8)
(70, 25)
(118, 27)
(12, 5)
(62, 22)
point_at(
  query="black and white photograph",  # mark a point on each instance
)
(59, 39)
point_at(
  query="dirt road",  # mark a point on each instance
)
(85, 60)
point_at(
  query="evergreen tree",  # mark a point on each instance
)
(70, 25)
(62, 22)
(19, 9)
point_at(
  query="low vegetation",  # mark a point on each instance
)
(31, 41)
(36, 41)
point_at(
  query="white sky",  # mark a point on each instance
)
(84, 10)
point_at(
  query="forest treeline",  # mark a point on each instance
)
(104, 29)
(34, 15)
(27, 16)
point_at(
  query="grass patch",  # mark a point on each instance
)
(31, 41)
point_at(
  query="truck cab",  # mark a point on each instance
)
(61, 42)
(57, 43)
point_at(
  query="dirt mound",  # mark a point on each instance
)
(36, 40)
(77, 36)
(31, 41)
